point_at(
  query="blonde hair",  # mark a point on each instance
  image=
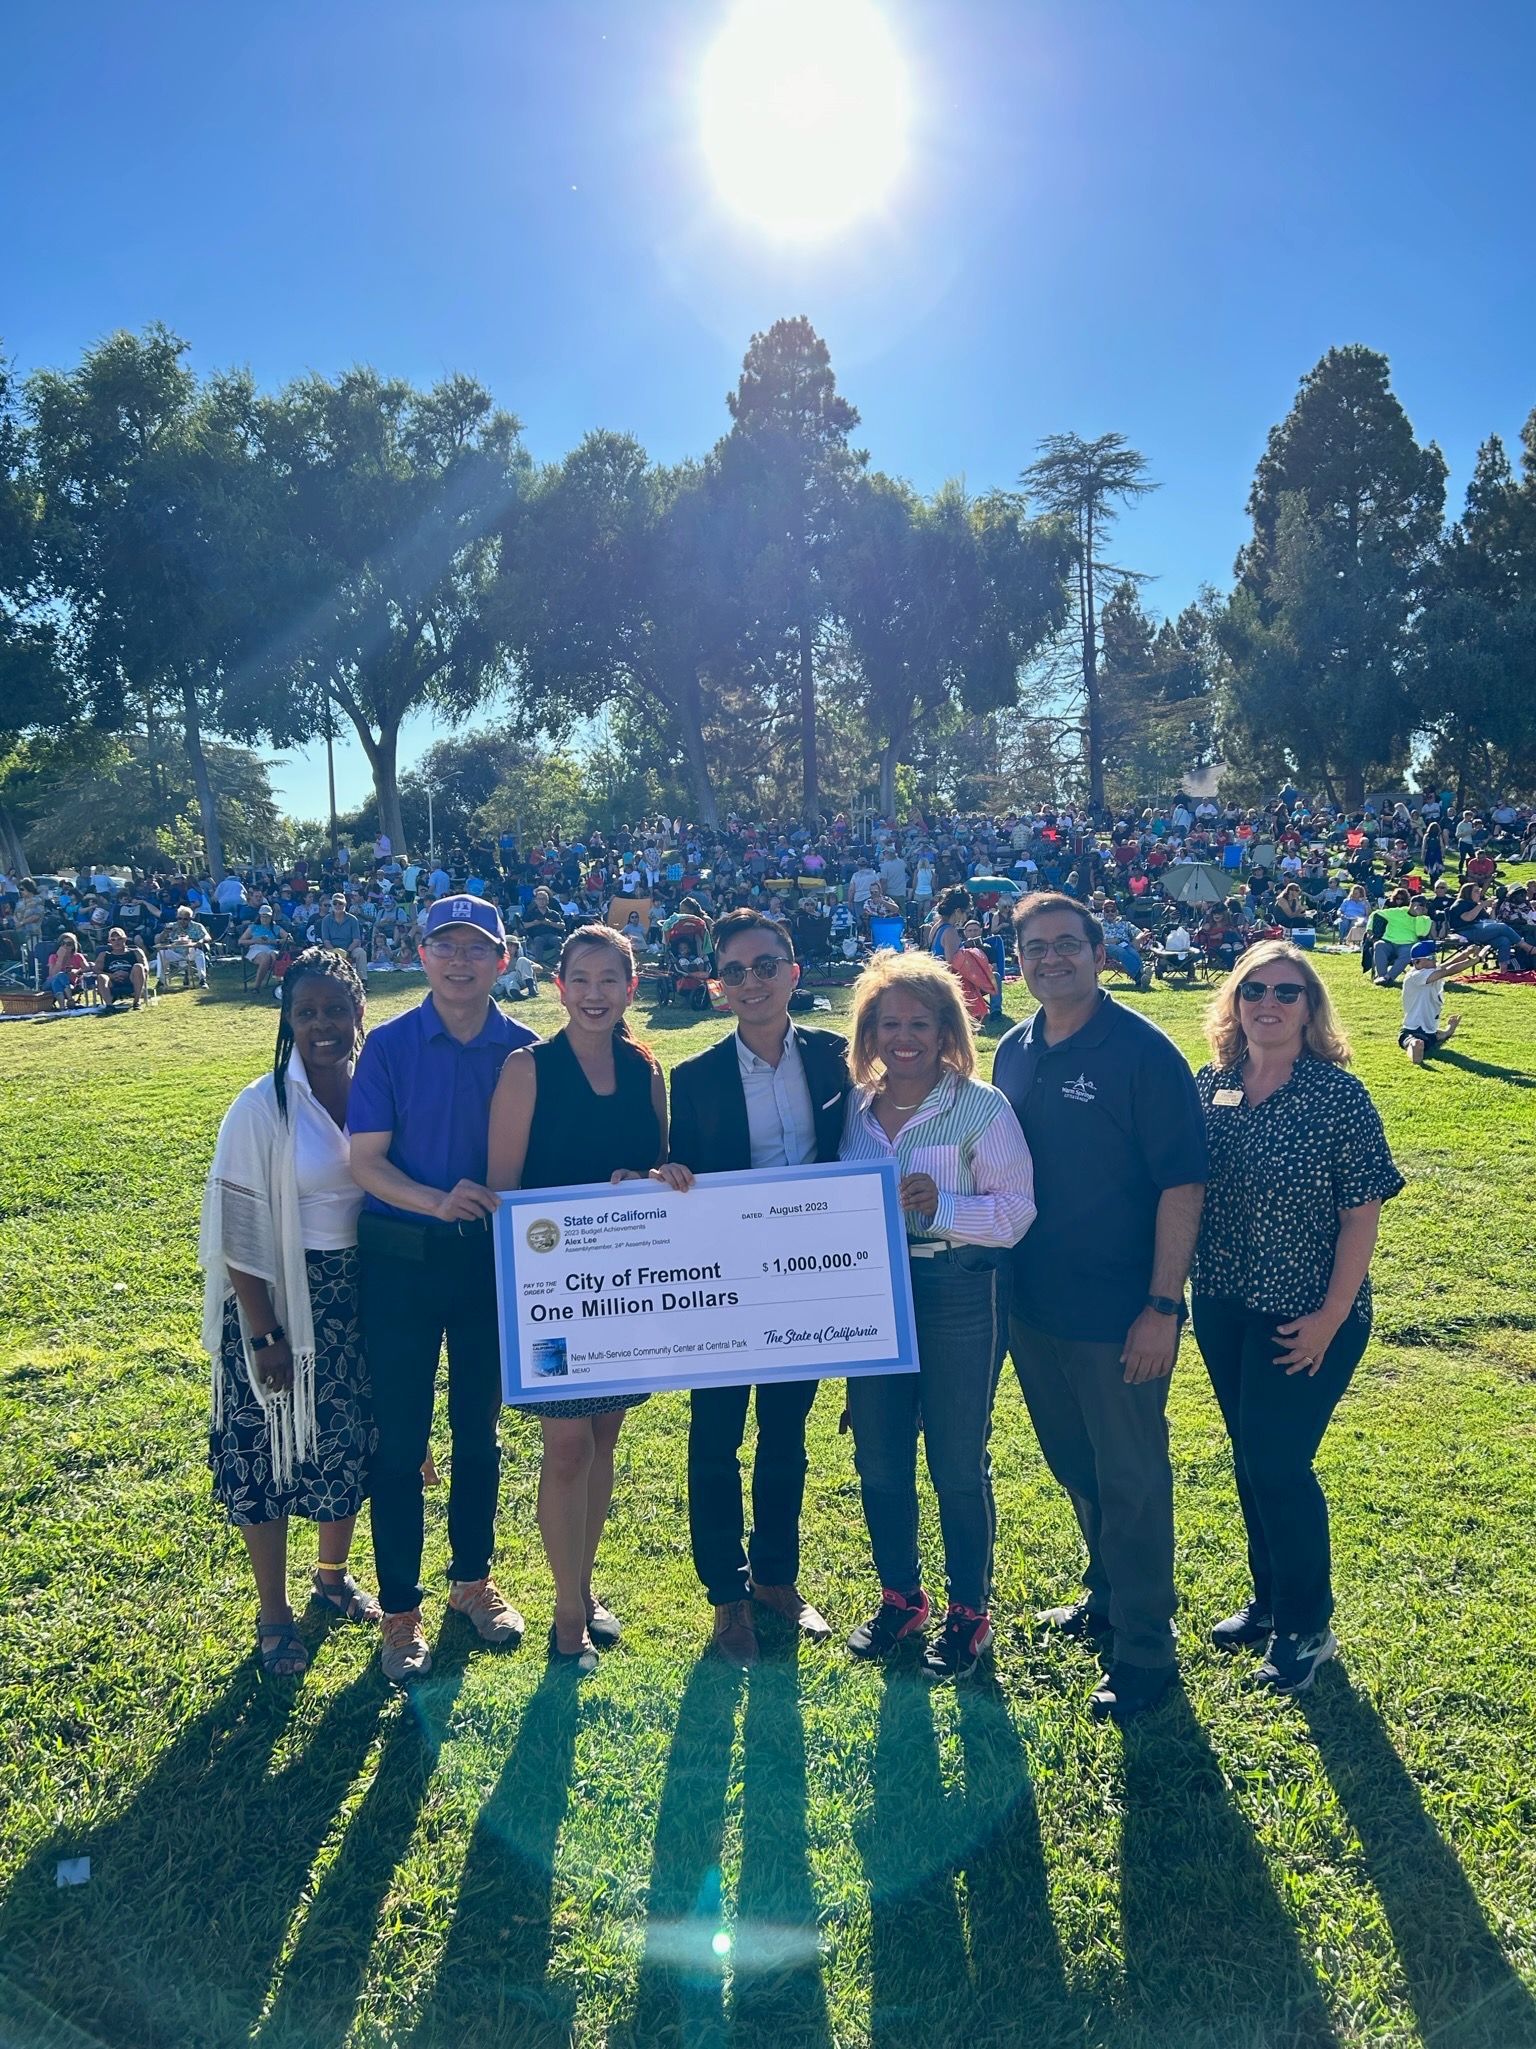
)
(1322, 1034)
(916, 974)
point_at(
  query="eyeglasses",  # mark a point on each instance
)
(1065, 948)
(1283, 992)
(765, 967)
(478, 950)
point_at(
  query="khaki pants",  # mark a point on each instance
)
(1107, 1443)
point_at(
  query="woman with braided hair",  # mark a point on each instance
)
(292, 1431)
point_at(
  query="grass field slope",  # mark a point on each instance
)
(813, 1855)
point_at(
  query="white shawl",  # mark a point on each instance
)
(251, 1221)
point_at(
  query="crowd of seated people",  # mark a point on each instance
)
(1309, 869)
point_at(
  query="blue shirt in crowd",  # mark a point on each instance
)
(1113, 1118)
(415, 1080)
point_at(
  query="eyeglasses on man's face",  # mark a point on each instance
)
(765, 967)
(1067, 947)
(1283, 992)
(477, 951)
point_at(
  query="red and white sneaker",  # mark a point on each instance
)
(960, 1645)
(897, 1625)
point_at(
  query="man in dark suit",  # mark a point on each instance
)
(771, 1095)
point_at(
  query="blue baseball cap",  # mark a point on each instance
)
(465, 910)
(1424, 950)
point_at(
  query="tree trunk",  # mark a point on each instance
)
(890, 761)
(888, 764)
(1093, 718)
(383, 752)
(808, 723)
(690, 720)
(213, 845)
(13, 855)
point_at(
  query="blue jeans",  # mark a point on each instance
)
(1125, 955)
(1492, 933)
(961, 1303)
(1390, 956)
(1276, 1422)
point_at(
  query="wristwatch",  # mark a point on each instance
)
(273, 1337)
(1166, 1305)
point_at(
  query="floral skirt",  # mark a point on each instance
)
(331, 1485)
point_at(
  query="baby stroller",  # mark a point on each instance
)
(685, 973)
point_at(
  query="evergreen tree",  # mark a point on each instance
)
(787, 473)
(1086, 483)
(1477, 639)
(1346, 509)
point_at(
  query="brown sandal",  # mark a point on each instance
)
(346, 1598)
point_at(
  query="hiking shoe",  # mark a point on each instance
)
(405, 1655)
(483, 1603)
(1250, 1625)
(960, 1645)
(1291, 1663)
(898, 1623)
(1077, 1620)
(1127, 1690)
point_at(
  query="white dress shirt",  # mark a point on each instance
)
(780, 1116)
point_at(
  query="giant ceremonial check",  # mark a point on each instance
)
(793, 1273)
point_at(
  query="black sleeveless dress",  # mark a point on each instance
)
(578, 1136)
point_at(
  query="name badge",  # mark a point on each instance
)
(1228, 1099)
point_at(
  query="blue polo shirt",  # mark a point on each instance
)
(416, 1080)
(1112, 1118)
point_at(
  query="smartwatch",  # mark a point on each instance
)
(273, 1337)
(1166, 1305)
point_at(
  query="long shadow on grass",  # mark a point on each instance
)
(679, 2001)
(1463, 1991)
(778, 2000)
(193, 1884)
(1517, 1077)
(1016, 1963)
(930, 1987)
(1210, 1953)
(492, 1987)
(327, 1970)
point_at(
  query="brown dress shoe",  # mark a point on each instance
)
(793, 1606)
(735, 1638)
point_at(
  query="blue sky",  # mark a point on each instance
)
(1151, 217)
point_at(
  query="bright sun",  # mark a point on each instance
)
(805, 113)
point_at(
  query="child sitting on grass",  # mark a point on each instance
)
(1423, 995)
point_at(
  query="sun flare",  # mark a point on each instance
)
(805, 109)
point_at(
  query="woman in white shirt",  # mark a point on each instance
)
(292, 1431)
(967, 1187)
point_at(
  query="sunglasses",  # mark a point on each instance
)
(1283, 992)
(765, 967)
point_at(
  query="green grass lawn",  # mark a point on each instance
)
(815, 1854)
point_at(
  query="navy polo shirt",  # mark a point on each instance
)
(415, 1080)
(1112, 1118)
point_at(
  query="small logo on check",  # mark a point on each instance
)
(543, 1234)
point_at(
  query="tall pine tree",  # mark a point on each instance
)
(1346, 509)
